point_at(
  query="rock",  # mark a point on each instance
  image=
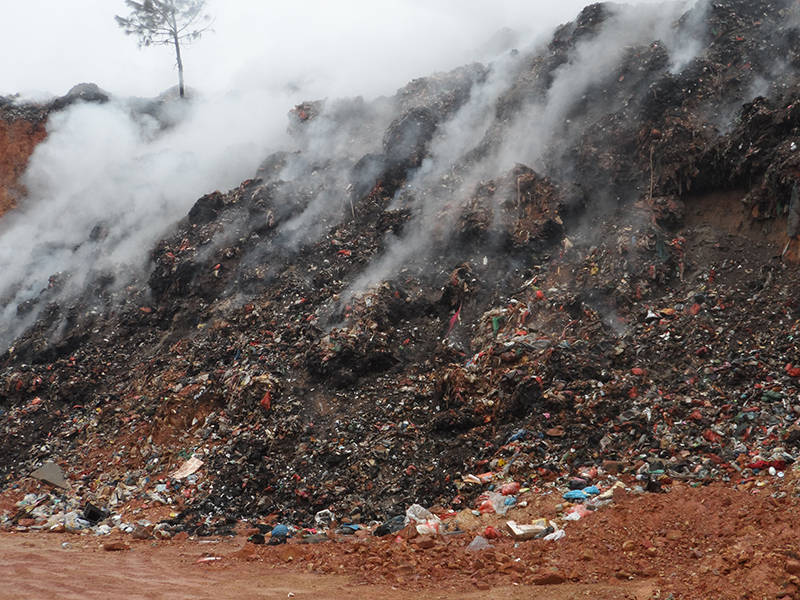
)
(549, 577)
(409, 532)
(424, 542)
(793, 566)
(628, 546)
(623, 575)
(115, 546)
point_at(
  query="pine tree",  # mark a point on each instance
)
(165, 23)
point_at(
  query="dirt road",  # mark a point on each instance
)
(38, 566)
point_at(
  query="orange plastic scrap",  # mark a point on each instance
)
(266, 401)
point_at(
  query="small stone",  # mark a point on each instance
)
(550, 577)
(793, 567)
(409, 532)
(425, 542)
(115, 546)
(651, 551)
(674, 535)
(628, 546)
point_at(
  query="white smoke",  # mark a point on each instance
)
(104, 170)
(537, 128)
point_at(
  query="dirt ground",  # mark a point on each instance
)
(710, 542)
(39, 567)
(17, 139)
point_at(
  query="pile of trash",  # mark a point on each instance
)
(620, 314)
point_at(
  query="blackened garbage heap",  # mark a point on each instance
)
(624, 303)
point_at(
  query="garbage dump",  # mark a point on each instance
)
(617, 319)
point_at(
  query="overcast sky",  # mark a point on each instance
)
(329, 46)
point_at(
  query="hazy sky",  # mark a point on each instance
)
(342, 46)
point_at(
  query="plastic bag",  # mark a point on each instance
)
(323, 518)
(425, 521)
(556, 535)
(478, 544)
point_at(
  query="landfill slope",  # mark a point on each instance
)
(19, 135)
(327, 335)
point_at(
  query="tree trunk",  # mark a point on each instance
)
(180, 64)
